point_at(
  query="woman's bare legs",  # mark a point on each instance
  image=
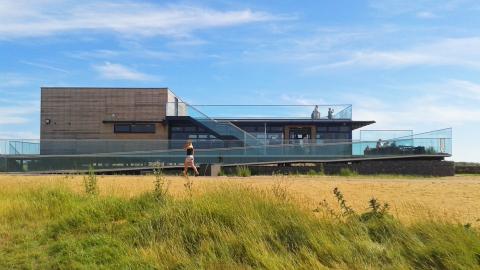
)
(185, 169)
(195, 168)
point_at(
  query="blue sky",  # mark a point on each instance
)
(406, 64)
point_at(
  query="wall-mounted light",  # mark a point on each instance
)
(47, 121)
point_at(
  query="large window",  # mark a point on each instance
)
(199, 136)
(133, 128)
(333, 134)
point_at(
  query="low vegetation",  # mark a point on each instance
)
(243, 171)
(348, 172)
(234, 227)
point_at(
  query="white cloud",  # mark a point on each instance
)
(426, 15)
(19, 135)
(23, 18)
(19, 114)
(299, 99)
(44, 66)
(8, 80)
(119, 72)
(434, 105)
(400, 7)
(463, 89)
(463, 52)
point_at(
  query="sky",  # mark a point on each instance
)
(405, 64)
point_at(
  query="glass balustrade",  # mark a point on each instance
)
(231, 112)
(121, 154)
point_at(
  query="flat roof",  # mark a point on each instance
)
(101, 88)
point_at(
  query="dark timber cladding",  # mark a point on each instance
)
(93, 113)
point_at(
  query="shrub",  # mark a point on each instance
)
(90, 182)
(312, 172)
(322, 169)
(161, 184)
(222, 172)
(347, 172)
(243, 171)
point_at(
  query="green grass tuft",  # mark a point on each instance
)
(348, 172)
(243, 171)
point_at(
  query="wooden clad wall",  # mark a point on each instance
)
(78, 113)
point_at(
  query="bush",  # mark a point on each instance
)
(243, 171)
(161, 184)
(347, 172)
(312, 172)
(222, 172)
(90, 182)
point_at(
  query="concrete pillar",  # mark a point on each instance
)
(215, 169)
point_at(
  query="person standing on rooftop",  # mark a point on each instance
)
(315, 113)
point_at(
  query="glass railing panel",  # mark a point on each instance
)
(223, 128)
(323, 112)
(120, 154)
(375, 135)
(19, 147)
(3, 147)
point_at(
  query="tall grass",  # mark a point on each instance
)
(243, 171)
(225, 228)
(348, 172)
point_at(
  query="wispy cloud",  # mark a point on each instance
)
(44, 66)
(400, 7)
(22, 18)
(113, 71)
(18, 114)
(19, 135)
(441, 104)
(464, 52)
(426, 15)
(12, 80)
(296, 99)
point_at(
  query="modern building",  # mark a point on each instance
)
(115, 128)
(155, 115)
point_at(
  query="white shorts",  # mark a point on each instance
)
(189, 160)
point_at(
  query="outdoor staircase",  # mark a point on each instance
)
(223, 129)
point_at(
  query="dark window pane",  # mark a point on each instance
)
(321, 129)
(143, 128)
(121, 128)
(340, 136)
(177, 128)
(275, 129)
(179, 136)
(249, 129)
(190, 128)
(334, 129)
(344, 128)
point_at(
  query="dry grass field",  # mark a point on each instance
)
(448, 198)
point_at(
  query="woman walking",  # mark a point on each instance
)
(189, 160)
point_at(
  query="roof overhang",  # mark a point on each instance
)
(282, 121)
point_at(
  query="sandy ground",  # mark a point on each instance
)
(451, 198)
